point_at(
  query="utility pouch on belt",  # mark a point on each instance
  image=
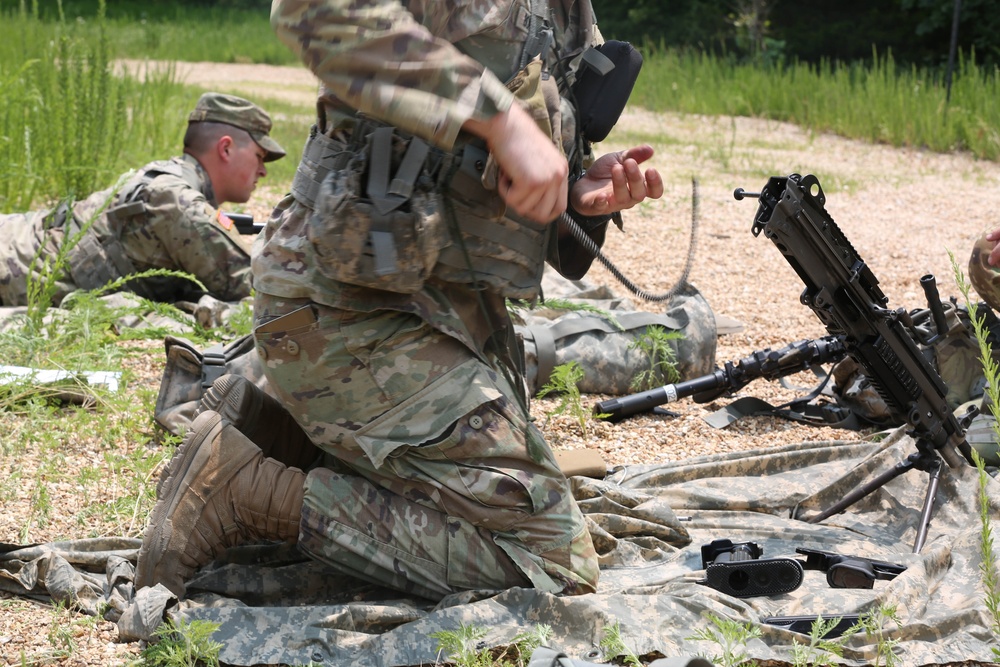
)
(603, 84)
(377, 222)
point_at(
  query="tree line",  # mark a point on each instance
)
(916, 32)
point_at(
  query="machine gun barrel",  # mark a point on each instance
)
(771, 364)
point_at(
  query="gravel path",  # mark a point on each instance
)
(902, 209)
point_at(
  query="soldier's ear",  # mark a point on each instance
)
(224, 147)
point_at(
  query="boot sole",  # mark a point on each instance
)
(160, 528)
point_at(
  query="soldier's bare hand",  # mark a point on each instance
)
(533, 173)
(616, 182)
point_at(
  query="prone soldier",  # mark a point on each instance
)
(165, 216)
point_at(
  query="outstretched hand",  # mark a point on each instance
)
(615, 182)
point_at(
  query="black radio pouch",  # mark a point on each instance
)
(604, 82)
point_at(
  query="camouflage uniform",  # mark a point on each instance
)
(985, 278)
(173, 223)
(437, 480)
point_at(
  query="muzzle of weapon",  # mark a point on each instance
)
(929, 283)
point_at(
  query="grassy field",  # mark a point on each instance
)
(67, 127)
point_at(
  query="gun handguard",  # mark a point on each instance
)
(771, 364)
(843, 292)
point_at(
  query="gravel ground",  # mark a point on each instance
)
(902, 209)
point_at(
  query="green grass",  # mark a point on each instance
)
(879, 102)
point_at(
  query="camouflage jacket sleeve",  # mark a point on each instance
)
(184, 231)
(378, 58)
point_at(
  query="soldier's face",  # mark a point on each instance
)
(246, 167)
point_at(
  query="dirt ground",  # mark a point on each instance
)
(903, 210)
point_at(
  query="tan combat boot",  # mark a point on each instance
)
(261, 418)
(218, 491)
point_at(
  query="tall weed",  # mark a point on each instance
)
(69, 125)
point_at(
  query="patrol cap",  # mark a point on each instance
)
(241, 113)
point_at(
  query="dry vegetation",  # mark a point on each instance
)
(903, 210)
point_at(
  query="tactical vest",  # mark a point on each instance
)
(98, 256)
(462, 232)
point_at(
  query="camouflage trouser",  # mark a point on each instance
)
(20, 237)
(440, 482)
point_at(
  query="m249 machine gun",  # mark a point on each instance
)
(733, 376)
(843, 293)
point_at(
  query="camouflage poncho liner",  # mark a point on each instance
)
(275, 608)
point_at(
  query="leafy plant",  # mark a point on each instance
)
(991, 370)
(731, 636)
(662, 357)
(820, 651)
(464, 646)
(564, 382)
(182, 644)
(872, 623)
(613, 645)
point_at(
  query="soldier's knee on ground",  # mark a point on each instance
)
(984, 277)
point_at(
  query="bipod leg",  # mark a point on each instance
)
(863, 490)
(934, 474)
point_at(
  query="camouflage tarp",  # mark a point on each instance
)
(274, 608)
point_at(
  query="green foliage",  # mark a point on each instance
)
(988, 567)
(821, 651)
(464, 646)
(232, 31)
(564, 382)
(68, 124)
(613, 645)
(182, 644)
(730, 636)
(878, 102)
(661, 355)
(872, 623)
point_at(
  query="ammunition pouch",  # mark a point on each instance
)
(373, 230)
(490, 247)
(393, 232)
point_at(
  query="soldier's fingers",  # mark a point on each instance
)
(636, 182)
(654, 184)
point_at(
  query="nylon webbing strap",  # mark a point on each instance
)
(834, 416)
(116, 253)
(539, 34)
(627, 322)
(213, 365)
(597, 61)
(386, 196)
